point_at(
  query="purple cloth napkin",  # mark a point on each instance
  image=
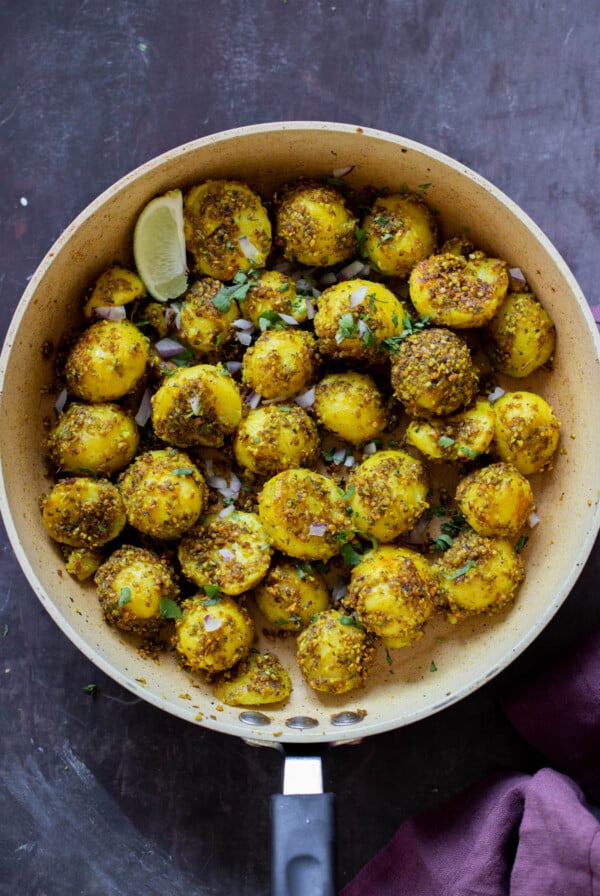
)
(514, 834)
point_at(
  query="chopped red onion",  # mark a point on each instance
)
(342, 172)
(208, 467)
(310, 308)
(145, 409)
(212, 623)
(235, 483)
(245, 337)
(111, 312)
(517, 274)
(288, 319)
(283, 267)
(168, 348)
(351, 270)
(306, 399)
(303, 285)
(370, 449)
(226, 553)
(328, 279)
(340, 589)
(173, 315)
(217, 482)
(233, 366)
(253, 399)
(358, 296)
(248, 248)
(242, 324)
(495, 395)
(533, 519)
(194, 402)
(227, 510)
(339, 456)
(362, 329)
(349, 461)
(60, 401)
(318, 529)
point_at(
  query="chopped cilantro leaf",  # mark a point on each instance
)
(169, 609)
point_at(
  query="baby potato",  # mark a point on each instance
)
(164, 493)
(132, 586)
(496, 500)
(101, 438)
(115, 286)
(276, 437)
(388, 494)
(257, 680)
(231, 553)
(354, 317)
(460, 436)
(273, 293)
(458, 292)
(107, 361)
(291, 594)
(83, 512)
(400, 230)
(433, 373)
(204, 327)
(334, 655)
(527, 431)
(82, 563)
(351, 405)
(393, 592)
(281, 363)
(520, 337)
(314, 224)
(212, 634)
(478, 574)
(227, 228)
(303, 513)
(196, 405)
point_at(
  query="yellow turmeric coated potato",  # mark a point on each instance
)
(227, 228)
(213, 634)
(460, 436)
(314, 224)
(107, 361)
(527, 431)
(303, 513)
(164, 493)
(478, 574)
(82, 563)
(458, 292)
(276, 437)
(272, 294)
(115, 286)
(257, 680)
(335, 655)
(100, 438)
(135, 588)
(400, 231)
(520, 338)
(204, 326)
(351, 406)
(83, 512)
(230, 553)
(433, 373)
(388, 494)
(281, 363)
(496, 500)
(393, 592)
(290, 595)
(354, 317)
(196, 405)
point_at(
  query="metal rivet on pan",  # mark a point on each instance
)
(346, 718)
(301, 722)
(250, 717)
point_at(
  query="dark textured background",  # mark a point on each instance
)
(110, 796)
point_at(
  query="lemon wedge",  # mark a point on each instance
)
(159, 247)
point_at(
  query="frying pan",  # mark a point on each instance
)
(448, 662)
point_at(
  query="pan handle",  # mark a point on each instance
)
(302, 844)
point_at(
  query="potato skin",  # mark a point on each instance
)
(203, 326)
(274, 437)
(164, 493)
(461, 436)
(334, 655)
(496, 500)
(314, 224)
(212, 635)
(351, 405)
(83, 512)
(388, 494)
(102, 438)
(257, 680)
(281, 363)
(107, 361)
(527, 431)
(400, 231)
(114, 286)
(291, 594)
(521, 336)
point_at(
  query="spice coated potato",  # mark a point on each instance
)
(115, 286)
(83, 512)
(227, 228)
(101, 438)
(131, 586)
(334, 655)
(107, 361)
(281, 363)
(351, 406)
(303, 513)
(212, 634)
(458, 292)
(433, 373)
(526, 432)
(314, 224)
(273, 293)
(196, 405)
(82, 563)
(203, 326)
(354, 317)
(164, 493)
(273, 437)
(478, 574)
(399, 231)
(231, 553)
(388, 494)
(290, 595)
(521, 336)
(496, 500)
(460, 436)
(393, 592)
(257, 680)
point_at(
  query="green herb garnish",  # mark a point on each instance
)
(460, 572)
(347, 328)
(169, 609)
(90, 689)
(124, 596)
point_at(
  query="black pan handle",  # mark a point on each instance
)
(302, 844)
